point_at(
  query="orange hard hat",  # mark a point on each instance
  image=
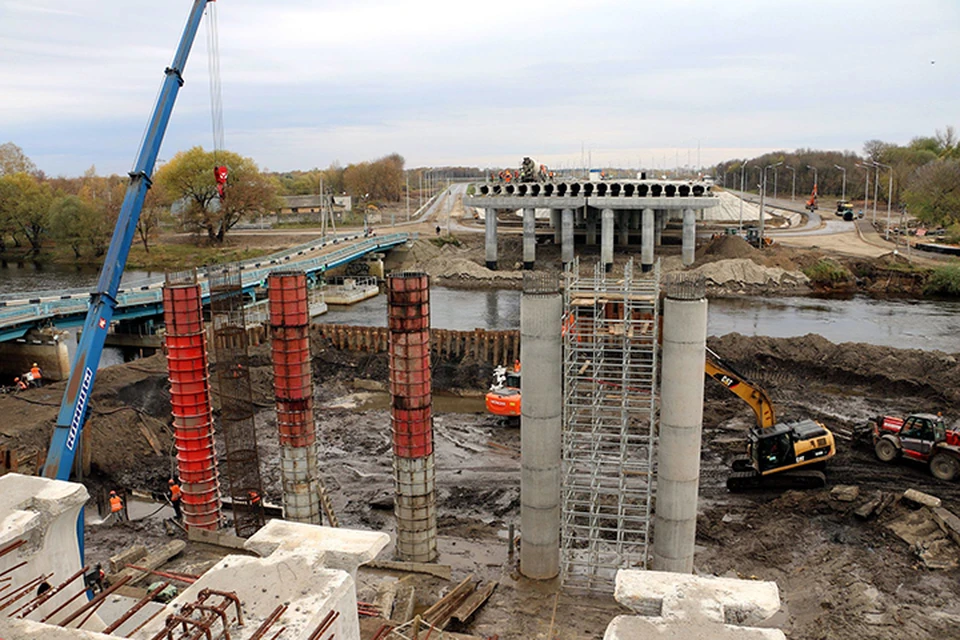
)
(113, 493)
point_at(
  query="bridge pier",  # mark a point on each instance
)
(659, 223)
(689, 237)
(555, 223)
(624, 236)
(566, 251)
(591, 227)
(490, 223)
(529, 237)
(606, 239)
(46, 347)
(646, 248)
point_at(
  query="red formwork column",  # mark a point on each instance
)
(408, 323)
(190, 400)
(293, 386)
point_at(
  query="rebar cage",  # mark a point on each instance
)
(610, 335)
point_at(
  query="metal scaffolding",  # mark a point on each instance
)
(236, 399)
(610, 327)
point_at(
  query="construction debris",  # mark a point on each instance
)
(845, 492)
(153, 561)
(441, 571)
(918, 497)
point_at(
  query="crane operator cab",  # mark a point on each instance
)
(784, 449)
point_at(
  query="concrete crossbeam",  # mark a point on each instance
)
(621, 204)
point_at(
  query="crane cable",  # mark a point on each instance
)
(216, 98)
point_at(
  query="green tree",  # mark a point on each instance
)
(14, 160)
(934, 193)
(189, 176)
(71, 220)
(28, 208)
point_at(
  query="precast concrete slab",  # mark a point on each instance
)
(344, 549)
(682, 606)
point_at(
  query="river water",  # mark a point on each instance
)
(917, 324)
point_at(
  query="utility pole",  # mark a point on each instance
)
(743, 170)
(843, 195)
(420, 191)
(763, 193)
(876, 189)
(793, 191)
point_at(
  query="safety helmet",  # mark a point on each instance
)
(170, 481)
(113, 493)
(35, 364)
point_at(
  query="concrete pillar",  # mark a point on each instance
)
(592, 227)
(646, 247)
(635, 220)
(624, 228)
(681, 420)
(529, 238)
(566, 251)
(689, 237)
(606, 239)
(660, 223)
(555, 224)
(541, 308)
(47, 347)
(408, 323)
(490, 224)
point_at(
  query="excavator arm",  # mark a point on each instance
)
(752, 394)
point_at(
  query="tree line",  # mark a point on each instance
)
(925, 174)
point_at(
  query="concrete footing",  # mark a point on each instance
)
(677, 606)
(681, 421)
(541, 307)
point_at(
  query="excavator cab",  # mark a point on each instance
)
(788, 446)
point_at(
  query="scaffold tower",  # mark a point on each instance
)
(610, 328)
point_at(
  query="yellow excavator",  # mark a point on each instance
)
(781, 455)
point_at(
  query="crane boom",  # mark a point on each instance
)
(103, 301)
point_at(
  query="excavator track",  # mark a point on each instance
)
(801, 479)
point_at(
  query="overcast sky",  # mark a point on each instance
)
(307, 82)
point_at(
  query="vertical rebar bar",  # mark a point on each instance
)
(236, 399)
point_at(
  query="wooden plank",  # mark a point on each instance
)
(473, 602)
(154, 560)
(442, 571)
(439, 614)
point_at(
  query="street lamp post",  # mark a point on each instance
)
(866, 189)
(763, 193)
(776, 175)
(793, 191)
(743, 169)
(876, 189)
(889, 194)
(844, 188)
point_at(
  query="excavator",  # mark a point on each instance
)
(779, 455)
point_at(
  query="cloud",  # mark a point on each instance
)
(307, 82)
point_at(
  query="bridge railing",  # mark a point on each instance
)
(66, 304)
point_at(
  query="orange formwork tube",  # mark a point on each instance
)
(190, 405)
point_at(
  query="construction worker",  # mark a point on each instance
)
(37, 375)
(254, 498)
(175, 495)
(516, 366)
(21, 385)
(93, 579)
(116, 507)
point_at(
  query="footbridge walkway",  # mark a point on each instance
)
(19, 313)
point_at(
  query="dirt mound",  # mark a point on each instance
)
(726, 246)
(737, 275)
(886, 370)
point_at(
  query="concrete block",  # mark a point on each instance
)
(845, 492)
(130, 555)
(691, 607)
(949, 523)
(344, 549)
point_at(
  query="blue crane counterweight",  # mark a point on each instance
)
(74, 406)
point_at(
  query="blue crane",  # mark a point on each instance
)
(73, 408)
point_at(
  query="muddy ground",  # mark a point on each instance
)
(839, 576)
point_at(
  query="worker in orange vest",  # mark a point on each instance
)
(37, 375)
(516, 366)
(175, 495)
(21, 385)
(116, 507)
(254, 498)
